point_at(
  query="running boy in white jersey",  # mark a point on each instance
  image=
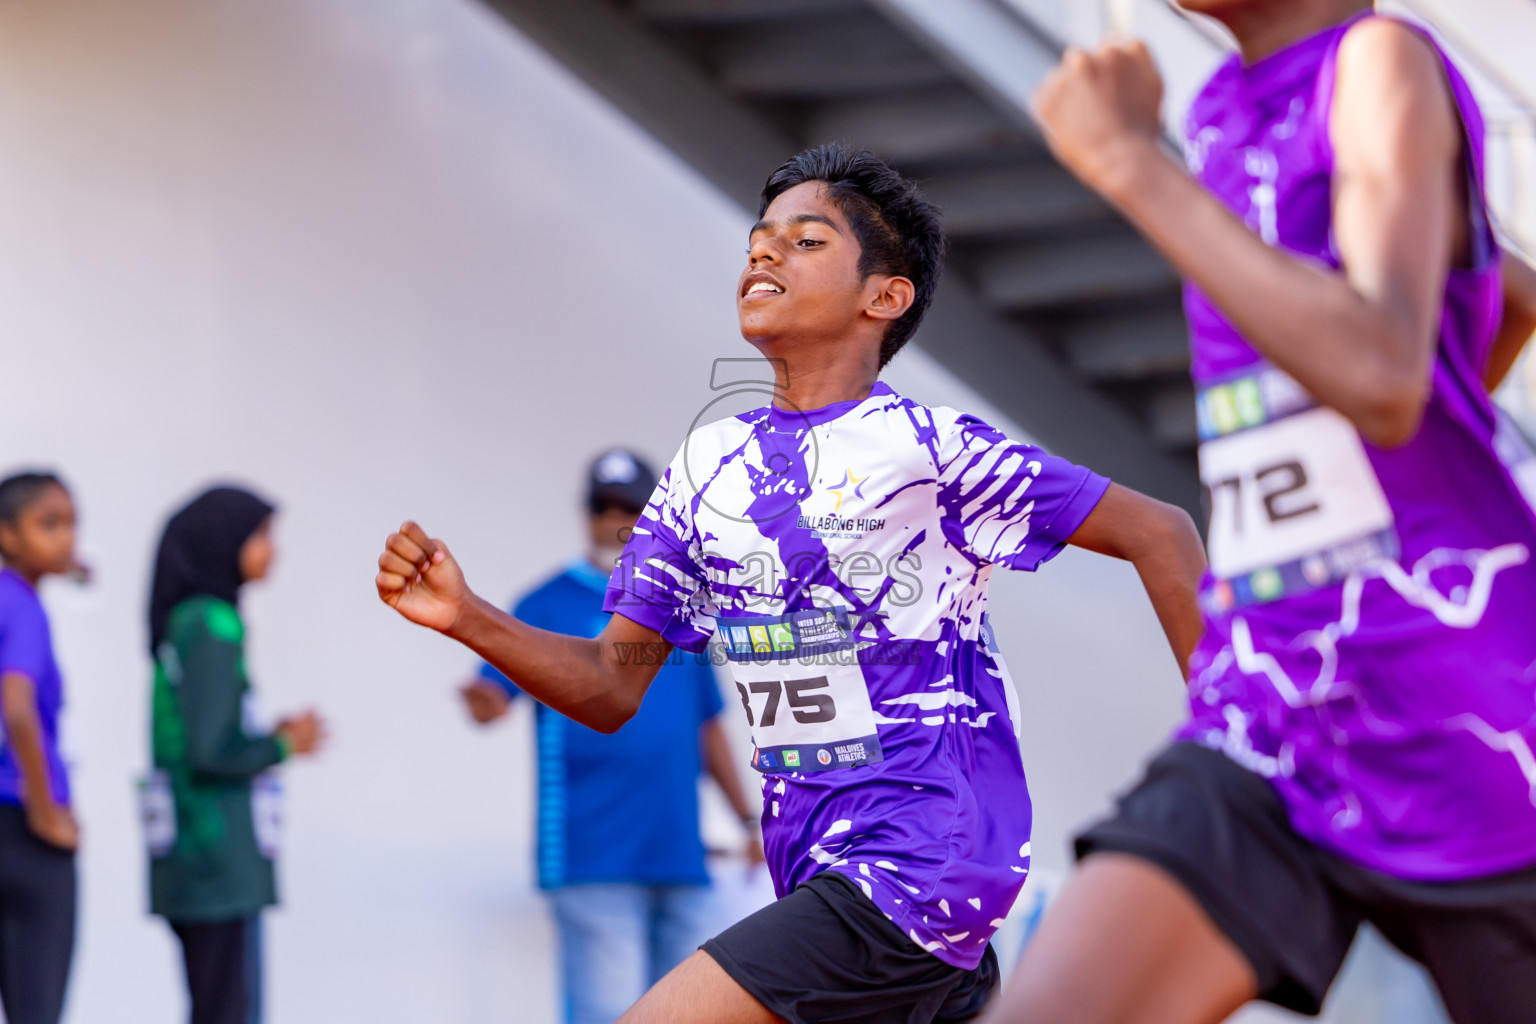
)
(841, 540)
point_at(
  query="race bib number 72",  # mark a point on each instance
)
(1294, 503)
(1289, 489)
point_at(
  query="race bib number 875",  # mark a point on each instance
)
(803, 692)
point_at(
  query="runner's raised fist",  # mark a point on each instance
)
(1100, 110)
(419, 578)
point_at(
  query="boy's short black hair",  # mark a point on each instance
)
(19, 490)
(898, 229)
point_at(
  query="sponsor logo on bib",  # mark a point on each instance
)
(781, 636)
(802, 689)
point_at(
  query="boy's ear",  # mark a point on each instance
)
(890, 297)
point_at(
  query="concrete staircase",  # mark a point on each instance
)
(1052, 307)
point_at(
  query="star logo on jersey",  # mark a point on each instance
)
(849, 483)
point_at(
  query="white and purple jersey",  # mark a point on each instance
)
(843, 554)
(1370, 642)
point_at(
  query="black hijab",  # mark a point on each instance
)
(200, 553)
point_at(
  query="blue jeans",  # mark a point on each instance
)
(617, 940)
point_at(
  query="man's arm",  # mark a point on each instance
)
(1161, 541)
(1362, 342)
(720, 765)
(597, 682)
(49, 821)
(1519, 319)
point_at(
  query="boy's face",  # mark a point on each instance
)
(802, 276)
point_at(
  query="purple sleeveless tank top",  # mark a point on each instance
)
(1370, 642)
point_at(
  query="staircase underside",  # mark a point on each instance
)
(1051, 307)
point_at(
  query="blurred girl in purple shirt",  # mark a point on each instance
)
(38, 833)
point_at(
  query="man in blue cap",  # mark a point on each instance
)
(619, 850)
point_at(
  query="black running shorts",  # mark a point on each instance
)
(1293, 909)
(825, 953)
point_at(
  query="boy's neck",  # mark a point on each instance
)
(822, 372)
(812, 380)
(1267, 28)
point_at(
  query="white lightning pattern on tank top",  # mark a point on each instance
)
(1416, 588)
(1511, 743)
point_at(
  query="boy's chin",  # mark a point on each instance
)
(757, 336)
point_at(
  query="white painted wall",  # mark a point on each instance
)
(385, 258)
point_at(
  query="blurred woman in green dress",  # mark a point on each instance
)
(211, 806)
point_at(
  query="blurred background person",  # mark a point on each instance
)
(211, 807)
(619, 849)
(38, 833)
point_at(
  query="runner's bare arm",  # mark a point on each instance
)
(597, 682)
(1361, 342)
(1162, 543)
(1519, 319)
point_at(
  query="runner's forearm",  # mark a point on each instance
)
(1171, 576)
(597, 682)
(24, 735)
(1294, 313)
(1161, 541)
(1519, 319)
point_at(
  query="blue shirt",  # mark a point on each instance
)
(621, 807)
(26, 647)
